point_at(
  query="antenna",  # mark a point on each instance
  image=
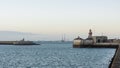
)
(64, 37)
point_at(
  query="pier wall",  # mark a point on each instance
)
(6, 42)
(17, 43)
(97, 45)
(116, 59)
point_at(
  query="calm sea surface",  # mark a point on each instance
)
(54, 56)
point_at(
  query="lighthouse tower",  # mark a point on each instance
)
(90, 34)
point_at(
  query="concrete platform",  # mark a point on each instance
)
(116, 59)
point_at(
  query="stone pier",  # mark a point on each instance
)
(116, 59)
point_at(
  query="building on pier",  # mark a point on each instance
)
(91, 40)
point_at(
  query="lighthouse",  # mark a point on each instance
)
(90, 34)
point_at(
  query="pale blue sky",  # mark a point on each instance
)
(73, 17)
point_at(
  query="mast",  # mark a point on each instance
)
(63, 38)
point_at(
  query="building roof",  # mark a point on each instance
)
(78, 38)
(89, 39)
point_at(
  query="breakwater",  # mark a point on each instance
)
(98, 45)
(116, 59)
(17, 43)
(6, 42)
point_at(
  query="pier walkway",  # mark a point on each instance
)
(116, 59)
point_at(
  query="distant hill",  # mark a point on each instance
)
(14, 35)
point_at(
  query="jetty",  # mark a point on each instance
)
(21, 42)
(116, 59)
(100, 42)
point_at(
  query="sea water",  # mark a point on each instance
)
(54, 56)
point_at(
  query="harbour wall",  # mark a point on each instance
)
(6, 42)
(115, 63)
(17, 43)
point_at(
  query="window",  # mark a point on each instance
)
(98, 41)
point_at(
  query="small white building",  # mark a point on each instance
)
(77, 42)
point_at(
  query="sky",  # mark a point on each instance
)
(58, 17)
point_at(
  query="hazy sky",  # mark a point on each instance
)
(60, 16)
